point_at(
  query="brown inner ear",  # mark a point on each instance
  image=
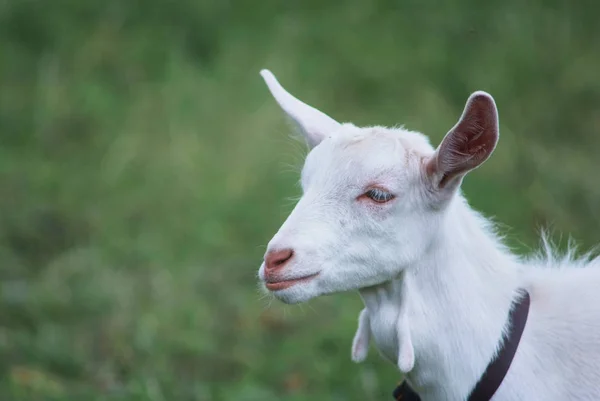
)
(470, 142)
(444, 180)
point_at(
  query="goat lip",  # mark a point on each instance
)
(283, 284)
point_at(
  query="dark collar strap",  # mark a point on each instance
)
(493, 376)
(497, 370)
(404, 393)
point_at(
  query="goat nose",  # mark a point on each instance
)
(277, 259)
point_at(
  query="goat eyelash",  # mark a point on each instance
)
(378, 195)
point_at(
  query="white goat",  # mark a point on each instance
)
(382, 213)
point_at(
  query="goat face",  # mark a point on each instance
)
(372, 198)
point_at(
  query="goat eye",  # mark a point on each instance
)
(379, 195)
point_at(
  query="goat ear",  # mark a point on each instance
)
(314, 125)
(468, 144)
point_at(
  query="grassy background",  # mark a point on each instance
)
(144, 166)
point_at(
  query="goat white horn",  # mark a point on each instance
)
(315, 124)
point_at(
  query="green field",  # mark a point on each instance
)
(144, 166)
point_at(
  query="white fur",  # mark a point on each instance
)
(430, 269)
(362, 337)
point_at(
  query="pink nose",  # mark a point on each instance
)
(277, 259)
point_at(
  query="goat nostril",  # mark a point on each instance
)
(284, 258)
(277, 259)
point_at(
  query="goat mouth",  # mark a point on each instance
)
(283, 284)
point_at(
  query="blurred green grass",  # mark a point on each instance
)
(144, 166)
